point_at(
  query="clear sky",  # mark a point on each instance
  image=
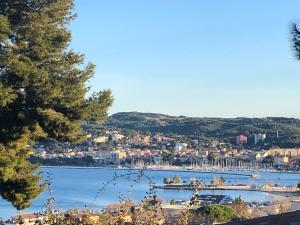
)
(220, 58)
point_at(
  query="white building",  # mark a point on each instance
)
(259, 137)
(28, 219)
(281, 160)
(179, 146)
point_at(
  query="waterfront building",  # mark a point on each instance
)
(292, 152)
(118, 156)
(281, 160)
(261, 155)
(102, 157)
(258, 157)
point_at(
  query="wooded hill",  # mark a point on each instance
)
(223, 129)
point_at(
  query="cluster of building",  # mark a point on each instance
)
(115, 148)
(243, 139)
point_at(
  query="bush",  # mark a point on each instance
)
(176, 180)
(219, 213)
(166, 180)
(240, 206)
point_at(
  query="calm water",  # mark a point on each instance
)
(78, 187)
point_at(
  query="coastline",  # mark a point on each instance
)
(181, 170)
(62, 193)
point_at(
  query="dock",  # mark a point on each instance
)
(263, 188)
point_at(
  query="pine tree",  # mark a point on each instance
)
(295, 31)
(42, 90)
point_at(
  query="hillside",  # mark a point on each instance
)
(225, 129)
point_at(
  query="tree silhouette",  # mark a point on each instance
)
(42, 90)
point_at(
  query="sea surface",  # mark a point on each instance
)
(95, 188)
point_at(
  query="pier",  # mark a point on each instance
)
(261, 188)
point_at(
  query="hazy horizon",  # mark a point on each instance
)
(196, 58)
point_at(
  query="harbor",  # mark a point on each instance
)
(262, 188)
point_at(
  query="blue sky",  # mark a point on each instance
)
(211, 58)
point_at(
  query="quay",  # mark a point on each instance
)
(196, 170)
(241, 187)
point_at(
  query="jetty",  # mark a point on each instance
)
(241, 187)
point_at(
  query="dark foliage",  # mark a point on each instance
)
(42, 90)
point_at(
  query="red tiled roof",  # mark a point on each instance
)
(27, 216)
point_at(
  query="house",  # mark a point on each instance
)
(146, 140)
(291, 152)
(157, 159)
(100, 139)
(281, 160)
(179, 146)
(258, 157)
(261, 155)
(259, 138)
(241, 139)
(27, 219)
(116, 136)
(118, 156)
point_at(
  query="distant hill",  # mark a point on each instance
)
(225, 129)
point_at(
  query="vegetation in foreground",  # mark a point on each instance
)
(43, 95)
(42, 90)
(147, 212)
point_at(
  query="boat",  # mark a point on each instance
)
(255, 175)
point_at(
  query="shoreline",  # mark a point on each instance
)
(266, 197)
(227, 188)
(182, 170)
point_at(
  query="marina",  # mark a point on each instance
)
(77, 187)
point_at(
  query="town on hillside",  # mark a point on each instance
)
(106, 145)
